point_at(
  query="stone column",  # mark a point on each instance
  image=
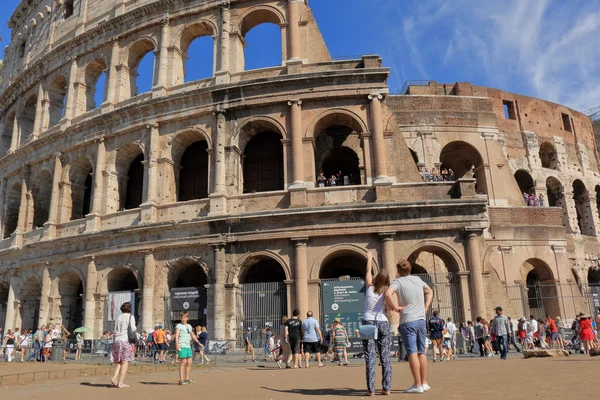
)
(94, 220)
(223, 75)
(53, 219)
(296, 134)
(112, 76)
(301, 274)
(39, 113)
(2, 206)
(389, 263)
(219, 291)
(71, 93)
(294, 29)
(148, 293)
(218, 197)
(14, 140)
(378, 139)
(11, 304)
(476, 271)
(44, 303)
(149, 211)
(465, 298)
(23, 209)
(89, 314)
(163, 59)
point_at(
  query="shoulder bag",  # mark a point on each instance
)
(369, 332)
(131, 336)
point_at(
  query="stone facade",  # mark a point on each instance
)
(211, 183)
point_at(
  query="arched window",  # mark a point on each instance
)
(42, 194)
(70, 301)
(57, 94)
(141, 67)
(135, 183)
(262, 42)
(542, 297)
(13, 202)
(198, 46)
(556, 198)
(343, 264)
(7, 133)
(585, 219)
(525, 182)
(27, 119)
(193, 176)
(465, 162)
(69, 8)
(95, 84)
(81, 188)
(263, 163)
(548, 156)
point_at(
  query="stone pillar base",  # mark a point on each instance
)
(16, 239)
(218, 204)
(93, 222)
(298, 196)
(294, 66)
(106, 107)
(49, 231)
(158, 91)
(383, 191)
(149, 213)
(222, 77)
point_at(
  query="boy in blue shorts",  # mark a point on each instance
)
(184, 335)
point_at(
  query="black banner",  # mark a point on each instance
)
(185, 299)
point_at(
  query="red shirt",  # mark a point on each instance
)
(552, 325)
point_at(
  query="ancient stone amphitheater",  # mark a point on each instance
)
(211, 184)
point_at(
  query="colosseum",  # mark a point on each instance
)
(209, 188)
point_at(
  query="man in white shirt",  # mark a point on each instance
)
(55, 332)
(452, 331)
(533, 328)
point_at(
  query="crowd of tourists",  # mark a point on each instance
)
(533, 200)
(338, 179)
(27, 345)
(436, 175)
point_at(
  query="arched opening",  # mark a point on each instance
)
(42, 195)
(338, 149)
(122, 286)
(30, 294)
(70, 290)
(3, 302)
(27, 118)
(57, 94)
(548, 156)
(525, 182)
(7, 134)
(594, 277)
(343, 265)
(13, 202)
(263, 163)
(261, 38)
(187, 280)
(414, 156)
(198, 47)
(130, 173)
(585, 220)
(542, 297)
(466, 162)
(81, 188)
(556, 198)
(141, 67)
(95, 84)
(262, 296)
(193, 176)
(439, 270)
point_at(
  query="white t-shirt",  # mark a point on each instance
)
(121, 325)
(374, 306)
(410, 296)
(55, 334)
(533, 323)
(24, 340)
(451, 328)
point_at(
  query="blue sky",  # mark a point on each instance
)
(542, 48)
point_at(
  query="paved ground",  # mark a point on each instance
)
(464, 379)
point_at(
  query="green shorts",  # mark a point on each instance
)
(184, 352)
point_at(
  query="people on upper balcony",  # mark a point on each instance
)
(435, 175)
(321, 180)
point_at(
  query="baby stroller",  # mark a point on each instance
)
(574, 345)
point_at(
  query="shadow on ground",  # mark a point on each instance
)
(321, 392)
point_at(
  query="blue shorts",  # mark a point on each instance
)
(414, 336)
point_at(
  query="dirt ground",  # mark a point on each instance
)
(463, 379)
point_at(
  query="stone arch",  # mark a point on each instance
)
(262, 17)
(542, 296)
(525, 181)
(57, 95)
(92, 74)
(182, 139)
(27, 118)
(465, 161)
(451, 257)
(593, 276)
(335, 116)
(135, 53)
(249, 127)
(555, 194)
(260, 14)
(180, 264)
(585, 219)
(79, 174)
(29, 294)
(70, 291)
(130, 175)
(42, 195)
(339, 250)
(548, 156)
(13, 203)
(123, 278)
(192, 33)
(189, 272)
(7, 133)
(250, 259)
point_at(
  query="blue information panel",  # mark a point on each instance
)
(344, 300)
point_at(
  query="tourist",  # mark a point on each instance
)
(451, 328)
(321, 180)
(285, 347)
(451, 176)
(542, 334)
(533, 327)
(553, 330)
(23, 343)
(374, 314)
(541, 199)
(585, 331)
(479, 331)
(340, 338)
(268, 335)
(38, 344)
(122, 350)
(501, 328)
(470, 337)
(184, 335)
(436, 334)
(79, 342)
(47, 352)
(293, 337)
(414, 297)
(526, 198)
(444, 174)
(161, 343)
(488, 342)
(561, 332)
(202, 342)
(511, 335)
(311, 338)
(332, 180)
(64, 334)
(9, 345)
(249, 347)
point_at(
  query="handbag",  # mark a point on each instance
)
(369, 332)
(131, 335)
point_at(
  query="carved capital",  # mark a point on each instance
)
(219, 110)
(375, 96)
(295, 102)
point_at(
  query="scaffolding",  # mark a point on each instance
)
(593, 113)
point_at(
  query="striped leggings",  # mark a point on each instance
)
(381, 345)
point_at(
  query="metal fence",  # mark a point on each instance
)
(260, 305)
(446, 294)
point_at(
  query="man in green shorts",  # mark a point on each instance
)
(184, 335)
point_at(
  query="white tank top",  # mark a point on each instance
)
(374, 306)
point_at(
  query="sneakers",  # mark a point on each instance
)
(414, 389)
(426, 387)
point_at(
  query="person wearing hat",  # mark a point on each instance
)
(340, 337)
(501, 327)
(586, 334)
